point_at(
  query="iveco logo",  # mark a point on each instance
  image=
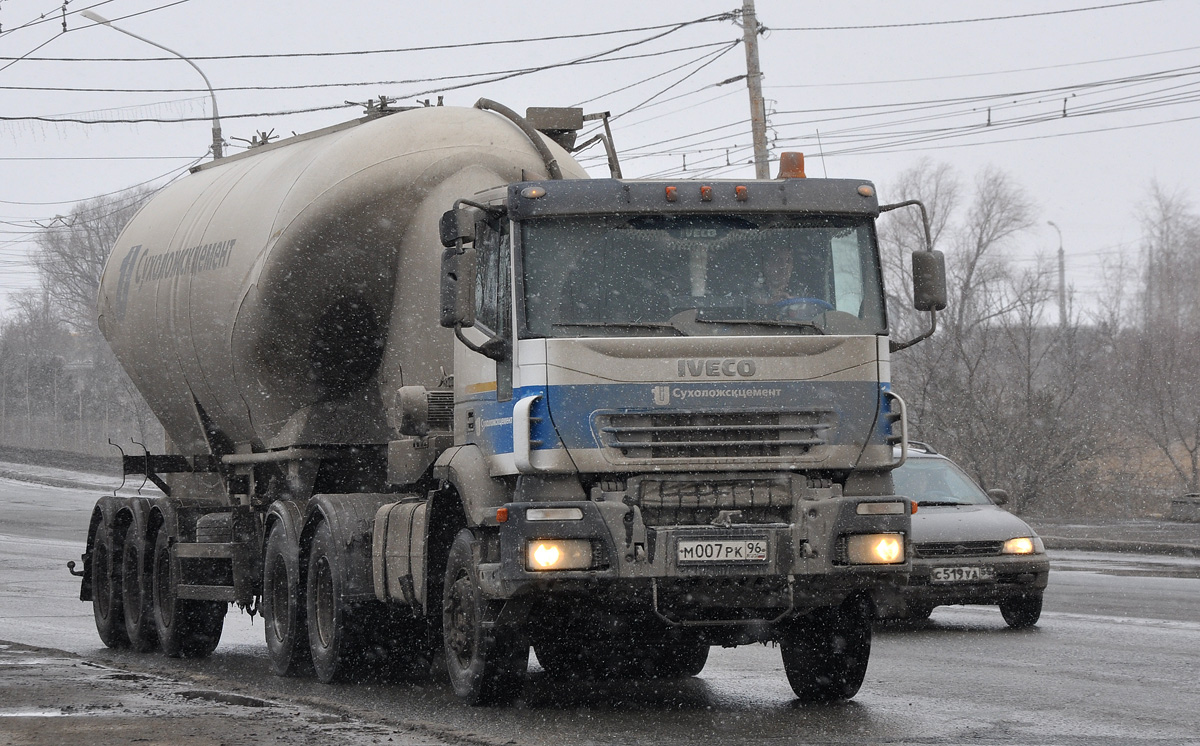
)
(699, 232)
(716, 368)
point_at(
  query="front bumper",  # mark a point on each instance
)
(803, 564)
(1014, 575)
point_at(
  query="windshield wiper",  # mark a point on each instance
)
(936, 503)
(623, 325)
(765, 322)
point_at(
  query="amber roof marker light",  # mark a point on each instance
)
(791, 166)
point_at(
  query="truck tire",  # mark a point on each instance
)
(1022, 612)
(186, 628)
(135, 592)
(486, 664)
(336, 639)
(825, 654)
(283, 607)
(107, 605)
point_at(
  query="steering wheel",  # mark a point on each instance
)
(802, 308)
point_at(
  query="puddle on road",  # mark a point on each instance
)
(225, 698)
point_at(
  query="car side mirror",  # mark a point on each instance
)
(1000, 497)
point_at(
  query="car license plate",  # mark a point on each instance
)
(710, 551)
(963, 574)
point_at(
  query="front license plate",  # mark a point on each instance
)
(710, 551)
(963, 574)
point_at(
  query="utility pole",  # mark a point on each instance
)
(1062, 276)
(758, 111)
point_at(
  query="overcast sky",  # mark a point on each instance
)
(883, 83)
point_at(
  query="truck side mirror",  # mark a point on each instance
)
(458, 287)
(457, 226)
(1000, 497)
(929, 280)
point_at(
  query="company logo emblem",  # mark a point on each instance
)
(662, 395)
(124, 279)
(717, 368)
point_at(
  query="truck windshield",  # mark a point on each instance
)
(700, 275)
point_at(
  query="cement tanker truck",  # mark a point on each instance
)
(427, 388)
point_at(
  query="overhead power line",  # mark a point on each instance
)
(398, 50)
(349, 84)
(916, 24)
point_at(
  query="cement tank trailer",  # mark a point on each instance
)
(425, 385)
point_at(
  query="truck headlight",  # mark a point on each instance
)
(875, 549)
(1024, 545)
(558, 554)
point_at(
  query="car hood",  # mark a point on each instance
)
(966, 523)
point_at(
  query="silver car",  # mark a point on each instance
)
(965, 549)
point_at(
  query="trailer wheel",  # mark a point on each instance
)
(135, 592)
(186, 627)
(1022, 612)
(283, 607)
(336, 639)
(107, 607)
(486, 664)
(825, 654)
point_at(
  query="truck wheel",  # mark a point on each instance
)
(135, 593)
(107, 607)
(336, 640)
(283, 607)
(1021, 612)
(825, 654)
(486, 663)
(186, 627)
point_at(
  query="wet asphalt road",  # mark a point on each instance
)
(1115, 660)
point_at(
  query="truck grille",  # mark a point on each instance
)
(689, 502)
(653, 436)
(933, 550)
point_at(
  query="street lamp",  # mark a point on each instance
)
(217, 145)
(1062, 276)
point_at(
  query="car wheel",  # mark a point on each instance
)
(918, 611)
(1021, 612)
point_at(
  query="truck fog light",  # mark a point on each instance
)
(559, 554)
(875, 549)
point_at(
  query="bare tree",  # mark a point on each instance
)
(1160, 371)
(71, 253)
(998, 387)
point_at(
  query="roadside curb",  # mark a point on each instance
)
(1116, 545)
(54, 481)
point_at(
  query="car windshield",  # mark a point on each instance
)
(700, 275)
(937, 481)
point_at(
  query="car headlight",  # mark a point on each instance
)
(875, 549)
(558, 554)
(1024, 545)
